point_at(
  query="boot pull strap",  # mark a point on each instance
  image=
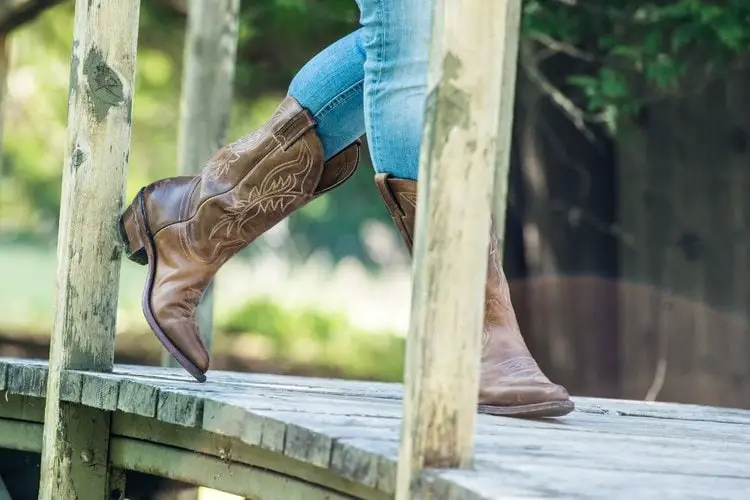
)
(394, 208)
(293, 129)
(381, 183)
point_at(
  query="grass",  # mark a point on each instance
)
(28, 294)
(258, 326)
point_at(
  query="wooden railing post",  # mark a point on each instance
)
(207, 81)
(4, 71)
(508, 58)
(471, 50)
(100, 103)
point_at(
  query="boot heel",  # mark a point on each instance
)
(133, 232)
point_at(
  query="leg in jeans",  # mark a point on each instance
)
(374, 78)
(396, 36)
(396, 40)
(330, 87)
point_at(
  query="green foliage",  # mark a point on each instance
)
(640, 50)
(320, 338)
(631, 52)
(276, 38)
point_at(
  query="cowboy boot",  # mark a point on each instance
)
(185, 228)
(511, 383)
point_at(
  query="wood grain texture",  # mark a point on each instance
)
(216, 473)
(100, 106)
(509, 61)
(205, 100)
(20, 436)
(344, 437)
(470, 90)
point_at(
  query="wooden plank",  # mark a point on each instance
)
(664, 410)
(5, 51)
(507, 106)
(668, 454)
(464, 105)
(137, 398)
(581, 424)
(3, 376)
(20, 436)
(678, 435)
(223, 475)
(71, 387)
(29, 409)
(315, 441)
(621, 417)
(27, 380)
(180, 407)
(564, 481)
(224, 447)
(361, 398)
(100, 393)
(321, 386)
(205, 101)
(359, 435)
(100, 106)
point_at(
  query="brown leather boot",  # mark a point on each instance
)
(187, 227)
(511, 382)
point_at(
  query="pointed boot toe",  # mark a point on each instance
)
(186, 228)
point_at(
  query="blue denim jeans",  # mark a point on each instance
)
(373, 81)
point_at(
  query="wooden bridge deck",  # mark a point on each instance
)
(264, 436)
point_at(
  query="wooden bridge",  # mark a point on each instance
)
(294, 438)
(289, 438)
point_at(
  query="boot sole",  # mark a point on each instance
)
(141, 250)
(537, 410)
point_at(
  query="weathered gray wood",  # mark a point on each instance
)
(137, 398)
(3, 376)
(20, 436)
(29, 409)
(224, 475)
(663, 410)
(507, 106)
(179, 407)
(205, 100)
(27, 380)
(100, 105)
(322, 432)
(99, 392)
(469, 65)
(224, 447)
(564, 481)
(117, 483)
(4, 67)
(71, 387)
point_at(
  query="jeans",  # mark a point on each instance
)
(373, 81)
